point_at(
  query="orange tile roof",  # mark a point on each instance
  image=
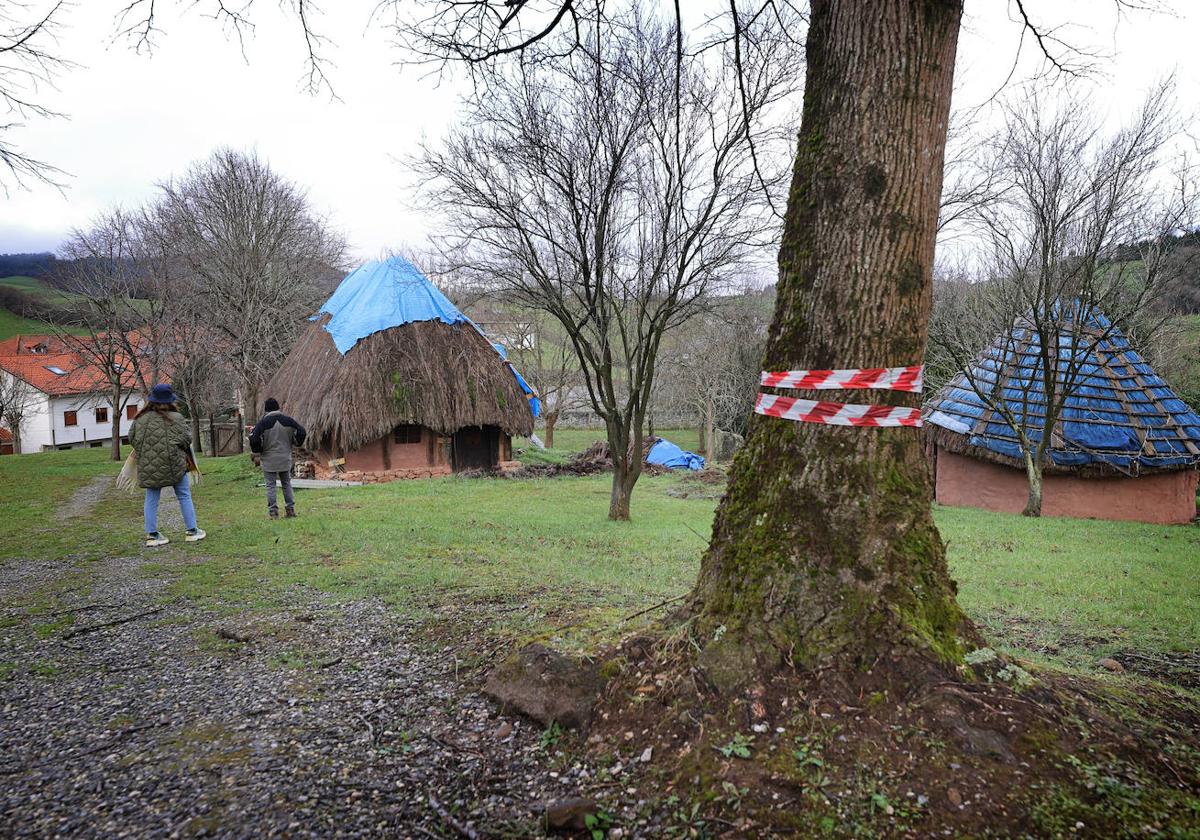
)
(50, 364)
(5, 435)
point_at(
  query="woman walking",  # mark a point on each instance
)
(160, 439)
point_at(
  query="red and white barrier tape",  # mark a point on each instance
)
(887, 379)
(836, 414)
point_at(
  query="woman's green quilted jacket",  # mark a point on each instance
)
(161, 441)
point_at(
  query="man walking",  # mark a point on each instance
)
(273, 438)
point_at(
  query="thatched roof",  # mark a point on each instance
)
(430, 373)
(1119, 419)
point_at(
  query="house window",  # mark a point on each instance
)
(101, 414)
(69, 419)
(131, 412)
(407, 434)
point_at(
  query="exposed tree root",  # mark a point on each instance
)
(907, 747)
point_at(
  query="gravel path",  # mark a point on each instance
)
(321, 719)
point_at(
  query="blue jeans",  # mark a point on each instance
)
(183, 492)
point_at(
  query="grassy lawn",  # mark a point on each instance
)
(538, 557)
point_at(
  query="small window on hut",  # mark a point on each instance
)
(406, 434)
(101, 414)
(131, 412)
(70, 419)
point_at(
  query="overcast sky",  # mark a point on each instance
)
(134, 119)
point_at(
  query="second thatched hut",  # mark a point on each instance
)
(392, 381)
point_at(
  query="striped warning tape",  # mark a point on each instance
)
(888, 379)
(836, 414)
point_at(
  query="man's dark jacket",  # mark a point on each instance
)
(274, 437)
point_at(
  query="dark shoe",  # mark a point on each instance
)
(291, 513)
(273, 514)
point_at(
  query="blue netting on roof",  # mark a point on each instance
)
(1119, 413)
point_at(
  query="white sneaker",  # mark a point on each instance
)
(155, 539)
(195, 535)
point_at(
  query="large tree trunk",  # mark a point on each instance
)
(1033, 471)
(824, 545)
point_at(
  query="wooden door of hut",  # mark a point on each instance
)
(476, 448)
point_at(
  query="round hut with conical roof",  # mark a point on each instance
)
(393, 381)
(1125, 446)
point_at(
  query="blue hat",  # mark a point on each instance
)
(162, 394)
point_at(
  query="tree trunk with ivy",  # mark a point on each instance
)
(824, 546)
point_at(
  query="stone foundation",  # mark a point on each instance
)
(381, 476)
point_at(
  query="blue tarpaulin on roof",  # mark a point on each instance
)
(382, 294)
(1118, 413)
(535, 402)
(667, 454)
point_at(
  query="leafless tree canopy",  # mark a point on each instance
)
(255, 249)
(611, 186)
(120, 314)
(29, 63)
(1071, 199)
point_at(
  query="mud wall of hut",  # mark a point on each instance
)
(1162, 498)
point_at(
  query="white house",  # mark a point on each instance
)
(63, 401)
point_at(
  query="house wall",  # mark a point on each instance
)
(1162, 499)
(56, 433)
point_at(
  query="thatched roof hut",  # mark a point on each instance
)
(1125, 447)
(388, 351)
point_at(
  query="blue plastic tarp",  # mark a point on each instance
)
(1096, 425)
(380, 295)
(666, 454)
(389, 293)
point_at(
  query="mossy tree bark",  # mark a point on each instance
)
(824, 546)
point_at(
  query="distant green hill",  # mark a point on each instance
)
(13, 324)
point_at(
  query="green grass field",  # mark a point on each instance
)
(12, 324)
(530, 557)
(38, 288)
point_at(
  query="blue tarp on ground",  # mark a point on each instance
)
(389, 293)
(1119, 413)
(667, 454)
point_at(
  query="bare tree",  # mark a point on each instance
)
(612, 187)
(255, 249)
(119, 313)
(28, 65)
(710, 368)
(1071, 197)
(545, 357)
(17, 399)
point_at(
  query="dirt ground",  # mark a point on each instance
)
(177, 719)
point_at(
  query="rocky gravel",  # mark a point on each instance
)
(126, 712)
